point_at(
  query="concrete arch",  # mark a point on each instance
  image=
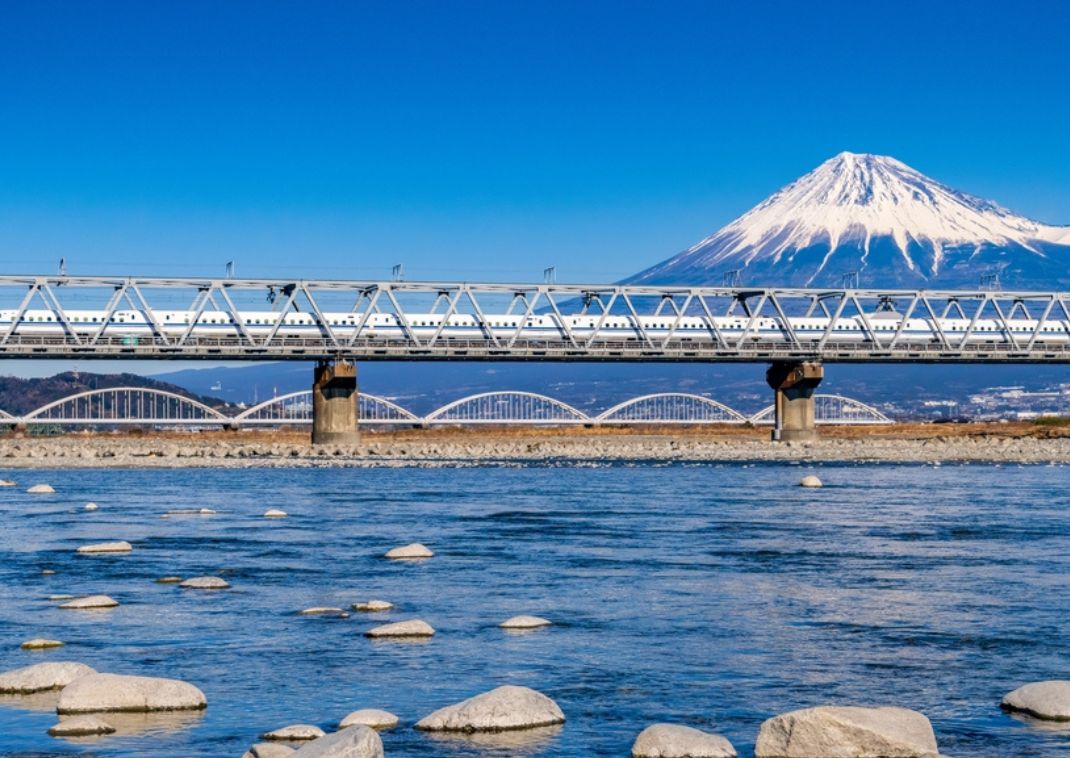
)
(372, 409)
(525, 407)
(122, 397)
(833, 409)
(709, 410)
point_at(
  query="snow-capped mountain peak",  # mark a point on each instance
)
(867, 213)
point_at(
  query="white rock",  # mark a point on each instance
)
(40, 643)
(81, 726)
(409, 552)
(41, 489)
(268, 750)
(810, 481)
(90, 506)
(169, 580)
(98, 693)
(676, 741)
(351, 742)
(88, 603)
(7, 483)
(1043, 700)
(294, 733)
(189, 512)
(275, 513)
(373, 606)
(411, 628)
(48, 572)
(107, 547)
(503, 708)
(372, 718)
(62, 597)
(324, 611)
(834, 731)
(204, 583)
(524, 622)
(42, 676)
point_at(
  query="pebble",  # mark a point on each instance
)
(294, 732)
(676, 741)
(524, 622)
(810, 481)
(268, 750)
(115, 692)
(41, 489)
(169, 580)
(409, 552)
(107, 547)
(351, 742)
(324, 611)
(503, 708)
(372, 718)
(39, 643)
(275, 513)
(411, 628)
(1043, 700)
(93, 601)
(189, 512)
(373, 606)
(42, 676)
(846, 730)
(90, 506)
(204, 583)
(81, 726)
(61, 597)
(48, 572)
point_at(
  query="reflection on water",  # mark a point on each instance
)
(145, 724)
(709, 595)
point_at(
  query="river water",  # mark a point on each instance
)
(709, 595)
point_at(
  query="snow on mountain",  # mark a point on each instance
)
(874, 215)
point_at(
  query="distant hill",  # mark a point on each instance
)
(18, 396)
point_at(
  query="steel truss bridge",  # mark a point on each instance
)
(137, 406)
(362, 299)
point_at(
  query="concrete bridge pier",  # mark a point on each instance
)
(334, 403)
(794, 383)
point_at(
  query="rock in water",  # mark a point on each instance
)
(321, 610)
(412, 628)
(833, 731)
(7, 483)
(351, 742)
(205, 583)
(98, 693)
(39, 643)
(294, 732)
(268, 750)
(1043, 700)
(42, 676)
(409, 552)
(373, 606)
(524, 622)
(107, 547)
(41, 489)
(90, 506)
(93, 601)
(169, 580)
(372, 718)
(81, 726)
(503, 708)
(676, 741)
(275, 513)
(810, 481)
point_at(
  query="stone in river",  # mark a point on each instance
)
(7, 483)
(524, 622)
(61, 597)
(1043, 700)
(810, 481)
(81, 726)
(91, 602)
(294, 733)
(351, 742)
(411, 628)
(370, 717)
(41, 489)
(833, 731)
(409, 552)
(324, 611)
(275, 513)
(48, 572)
(97, 693)
(373, 606)
(169, 580)
(90, 506)
(42, 676)
(504, 708)
(107, 547)
(39, 643)
(268, 750)
(676, 741)
(205, 583)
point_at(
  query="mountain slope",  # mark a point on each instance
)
(876, 216)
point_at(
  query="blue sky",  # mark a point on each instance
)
(487, 140)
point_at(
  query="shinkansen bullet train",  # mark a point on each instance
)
(882, 326)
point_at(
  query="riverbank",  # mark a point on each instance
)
(989, 443)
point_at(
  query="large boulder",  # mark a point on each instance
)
(503, 708)
(294, 733)
(413, 628)
(81, 726)
(98, 693)
(676, 741)
(370, 717)
(90, 603)
(351, 742)
(1043, 700)
(269, 750)
(121, 546)
(810, 481)
(41, 489)
(525, 622)
(409, 552)
(42, 676)
(847, 732)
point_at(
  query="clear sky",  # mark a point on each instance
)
(488, 140)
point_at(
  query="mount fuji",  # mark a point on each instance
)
(877, 217)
